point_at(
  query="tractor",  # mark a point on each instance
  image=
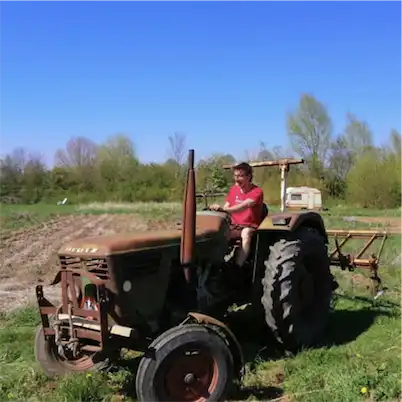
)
(165, 293)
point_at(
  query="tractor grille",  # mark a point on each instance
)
(97, 266)
(143, 263)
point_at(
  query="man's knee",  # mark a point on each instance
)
(246, 234)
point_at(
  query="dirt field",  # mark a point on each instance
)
(28, 256)
(391, 223)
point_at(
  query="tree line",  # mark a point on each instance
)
(347, 167)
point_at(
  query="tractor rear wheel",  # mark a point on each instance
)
(186, 363)
(297, 289)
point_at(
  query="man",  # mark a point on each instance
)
(245, 204)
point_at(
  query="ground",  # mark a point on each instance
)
(364, 337)
(27, 254)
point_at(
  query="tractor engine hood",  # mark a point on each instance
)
(115, 244)
(209, 226)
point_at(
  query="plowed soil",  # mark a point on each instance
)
(392, 224)
(28, 257)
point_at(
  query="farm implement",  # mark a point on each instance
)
(351, 262)
(166, 293)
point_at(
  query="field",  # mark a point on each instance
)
(358, 360)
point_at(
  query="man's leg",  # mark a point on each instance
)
(244, 250)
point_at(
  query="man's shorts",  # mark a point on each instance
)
(235, 231)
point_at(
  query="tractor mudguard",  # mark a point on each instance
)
(234, 344)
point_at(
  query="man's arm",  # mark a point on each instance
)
(256, 196)
(239, 207)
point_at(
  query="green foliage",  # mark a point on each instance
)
(375, 181)
(358, 135)
(310, 129)
(211, 176)
(340, 167)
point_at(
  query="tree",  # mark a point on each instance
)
(309, 129)
(79, 152)
(117, 156)
(79, 159)
(375, 181)
(358, 135)
(23, 176)
(340, 162)
(211, 176)
(35, 180)
(177, 143)
(395, 142)
(176, 153)
(11, 179)
(116, 166)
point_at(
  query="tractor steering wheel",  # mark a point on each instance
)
(228, 215)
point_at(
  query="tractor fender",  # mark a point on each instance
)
(234, 344)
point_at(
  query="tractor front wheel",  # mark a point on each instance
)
(186, 363)
(297, 288)
(53, 364)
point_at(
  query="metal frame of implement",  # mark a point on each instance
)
(351, 262)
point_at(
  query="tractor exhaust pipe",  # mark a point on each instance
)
(187, 245)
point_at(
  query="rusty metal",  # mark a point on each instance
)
(351, 262)
(70, 307)
(187, 245)
(234, 344)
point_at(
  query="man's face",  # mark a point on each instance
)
(240, 178)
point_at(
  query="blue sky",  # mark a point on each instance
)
(223, 73)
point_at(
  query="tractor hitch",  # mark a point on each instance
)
(69, 323)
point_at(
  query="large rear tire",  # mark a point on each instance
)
(297, 289)
(186, 363)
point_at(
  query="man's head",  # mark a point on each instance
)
(243, 174)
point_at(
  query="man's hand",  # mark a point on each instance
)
(215, 207)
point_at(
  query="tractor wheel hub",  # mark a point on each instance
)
(189, 378)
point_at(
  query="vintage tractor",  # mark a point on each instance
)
(165, 293)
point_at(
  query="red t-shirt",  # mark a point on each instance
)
(249, 216)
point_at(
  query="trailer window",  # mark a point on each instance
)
(296, 197)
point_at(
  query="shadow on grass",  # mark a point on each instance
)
(259, 345)
(241, 394)
(345, 326)
(128, 385)
(370, 301)
(262, 393)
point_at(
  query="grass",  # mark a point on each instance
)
(358, 360)
(159, 210)
(14, 217)
(347, 210)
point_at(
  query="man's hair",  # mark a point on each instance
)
(246, 168)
